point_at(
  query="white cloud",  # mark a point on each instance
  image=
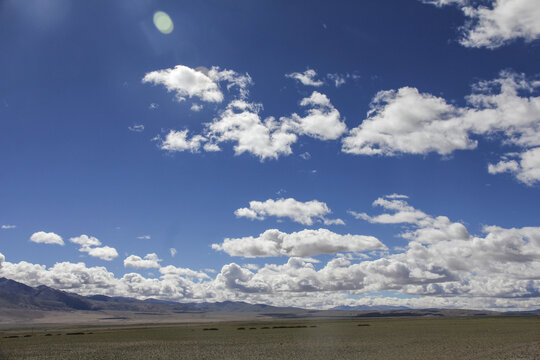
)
(85, 240)
(527, 170)
(333, 222)
(307, 78)
(106, 253)
(144, 237)
(136, 128)
(338, 79)
(46, 238)
(153, 106)
(430, 229)
(185, 81)
(6, 227)
(173, 271)
(173, 284)
(303, 243)
(172, 251)
(498, 23)
(403, 213)
(91, 246)
(301, 212)
(441, 260)
(149, 261)
(396, 196)
(442, 265)
(178, 141)
(252, 267)
(322, 121)
(200, 82)
(305, 155)
(196, 107)
(233, 79)
(240, 123)
(407, 121)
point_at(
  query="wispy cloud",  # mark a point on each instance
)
(136, 128)
(307, 78)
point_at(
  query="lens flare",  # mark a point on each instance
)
(163, 22)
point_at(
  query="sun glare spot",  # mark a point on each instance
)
(163, 22)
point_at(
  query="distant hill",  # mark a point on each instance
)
(18, 296)
(370, 308)
(14, 294)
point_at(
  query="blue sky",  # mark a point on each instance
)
(261, 140)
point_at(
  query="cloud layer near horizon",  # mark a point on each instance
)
(441, 261)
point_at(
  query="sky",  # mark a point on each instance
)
(302, 153)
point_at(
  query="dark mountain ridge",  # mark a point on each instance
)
(15, 295)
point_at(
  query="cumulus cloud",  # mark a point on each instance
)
(46, 238)
(173, 271)
(149, 261)
(403, 213)
(85, 240)
(173, 284)
(429, 229)
(407, 121)
(307, 78)
(322, 121)
(496, 22)
(179, 141)
(91, 246)
(441, 265)
(526, 169)
(303, 243)
(6, 227)
(301, 212)
(442, 259)
(104, 252)
(240, 123)
(201, 83)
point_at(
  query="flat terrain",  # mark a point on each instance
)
(403, 338)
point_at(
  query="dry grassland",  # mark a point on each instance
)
(411, 338)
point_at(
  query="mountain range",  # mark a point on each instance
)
(17, 296)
